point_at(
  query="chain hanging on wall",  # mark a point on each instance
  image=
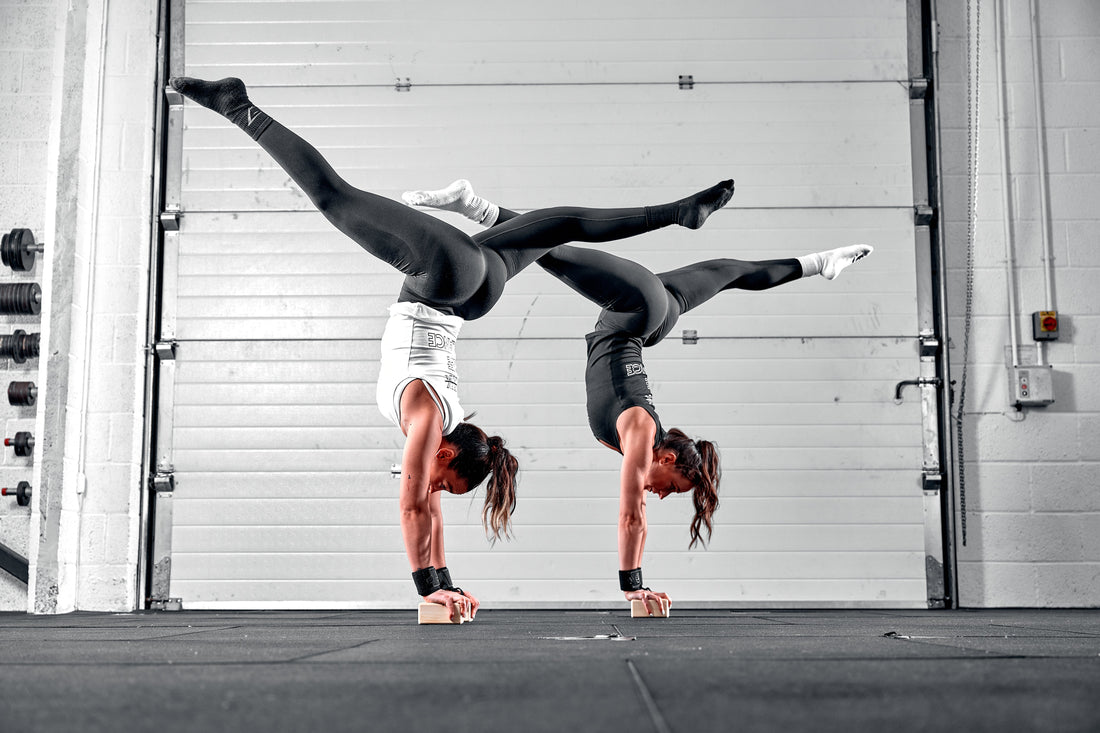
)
(973, 52)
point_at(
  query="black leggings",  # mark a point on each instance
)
(445, 268)
(639, 303)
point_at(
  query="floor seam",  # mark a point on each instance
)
(330, 651)
(647, 698)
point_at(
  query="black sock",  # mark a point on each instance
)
(692, 211)
(229, 98)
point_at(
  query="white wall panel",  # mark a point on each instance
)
(282, 461)
(284, 495)
(786, 145)
(364, 42)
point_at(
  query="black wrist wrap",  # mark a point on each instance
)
(445, 582)
(630, 579)
(444, 578)
(427, 581)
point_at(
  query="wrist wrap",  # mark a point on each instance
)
(444, 578)
(445, 582)
(630, 579)
(427, 581)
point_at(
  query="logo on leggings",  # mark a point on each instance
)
(633, 370)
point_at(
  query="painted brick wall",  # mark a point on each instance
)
(1032, 479)
(106, 373)
(76, 107)
(27, 41)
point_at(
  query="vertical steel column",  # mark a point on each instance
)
(930, 335)
(156, 561)
(930, 30)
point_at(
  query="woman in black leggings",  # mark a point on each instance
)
(450, 277)
(640, 308)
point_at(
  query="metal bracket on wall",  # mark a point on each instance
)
(923, 215)
(690, 336)
(166, 350)
(162, 481)
(402, 86)
(929, 345)
(687, 81)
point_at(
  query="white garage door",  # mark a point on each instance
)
(283, 494)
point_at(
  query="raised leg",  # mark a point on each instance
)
(522, 240)
(444, 265)
(694, 285)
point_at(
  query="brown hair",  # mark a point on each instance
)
(480, 455)
(699, 462)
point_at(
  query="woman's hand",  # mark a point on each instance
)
(652, 599)
(457, 604)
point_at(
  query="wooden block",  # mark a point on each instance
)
(638, 609)
(436, 613)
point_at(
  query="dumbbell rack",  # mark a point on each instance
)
(20, 299)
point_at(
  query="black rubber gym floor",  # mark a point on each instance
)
(739, 671)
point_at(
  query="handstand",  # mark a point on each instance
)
(640, 308)
(450, 278)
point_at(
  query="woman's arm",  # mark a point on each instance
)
(439, 558)
(636, 433)
(423, 428)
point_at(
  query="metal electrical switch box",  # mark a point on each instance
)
(1044, 325)
(1030, 386)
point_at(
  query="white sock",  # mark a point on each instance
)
(458, 197)
(832, 262)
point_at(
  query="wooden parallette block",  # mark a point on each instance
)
(638, 609)
(436, 613)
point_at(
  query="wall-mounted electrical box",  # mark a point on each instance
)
(1030, 386)
(1044, 325)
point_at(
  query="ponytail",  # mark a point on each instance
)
(699, 462)
(478, 456)
(500, 494)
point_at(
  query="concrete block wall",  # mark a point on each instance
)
(27, 44)
(77, 108)
(1032, 478)
(107, 359)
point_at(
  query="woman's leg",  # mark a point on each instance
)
(633, 300)
(443, 264)
(691, 286)
(522, 240)
(694, 285)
